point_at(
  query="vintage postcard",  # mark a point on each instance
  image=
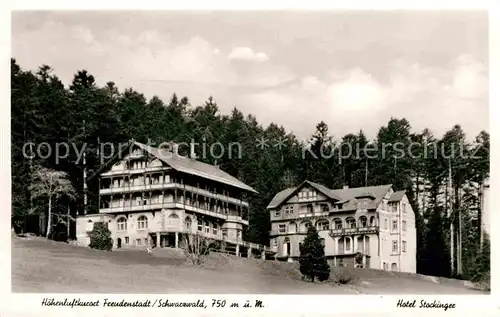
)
(160, 158)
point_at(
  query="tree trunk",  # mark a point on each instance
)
(49, 218)
(68, 221)
(480, 213)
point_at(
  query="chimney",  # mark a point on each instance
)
(345, 187)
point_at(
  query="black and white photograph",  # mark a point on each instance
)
(312, 152)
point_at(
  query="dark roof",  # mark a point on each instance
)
(286, 193)
(348, 196)
(190, 166)
(397, 196)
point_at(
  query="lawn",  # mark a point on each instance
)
(42, 266)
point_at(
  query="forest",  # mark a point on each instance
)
(444, 181)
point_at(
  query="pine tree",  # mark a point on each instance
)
(312, 259)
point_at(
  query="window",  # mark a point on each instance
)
(363, 221)
(122, 224)
(200, 225)
(360, 245)
(138, 242)
(325, 208)
(386, 266)
(127, 241)
(306, 226)
(310, 208)
(224, 233)
(347, 244)
(404, 225)
(340, 245)
(142, 222)
(403, 246)
(385, 224)
(289, 210)
(207, 227)
(351, 222)
(394, 207)
(322, 225)
(314, 195)
(394, 246)
(276, 213)
(394, 225)
(146, 241)
(215, 229)
(238, 234)
(275, 242)
(403, 206)
(322, 241)
(281, 228)
(394, 267)
(338, 223)
(188, 223)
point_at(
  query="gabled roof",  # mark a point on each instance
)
(346, 196)
(191, 166)
(397, 196)
(283, 195)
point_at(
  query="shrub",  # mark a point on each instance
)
(100, 237)
(196, 248)
(342, 276)
(312, 259)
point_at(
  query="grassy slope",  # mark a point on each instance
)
(46, 266)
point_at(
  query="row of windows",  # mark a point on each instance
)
(138, 242)
(325, 207)
(344, 245)
(395, 246)
(394, 266)
(325, 224)
(394, 226)
(142, 223)
(308, 195)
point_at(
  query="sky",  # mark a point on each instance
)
(352, 69)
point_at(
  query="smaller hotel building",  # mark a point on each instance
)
(151, 196)
(375, 221)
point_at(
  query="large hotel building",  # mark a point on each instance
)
(375, 223)
(151, 196)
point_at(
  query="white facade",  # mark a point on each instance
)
(379, 228)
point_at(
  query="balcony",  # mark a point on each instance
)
(135, 171)
(192, 189)
(234, 218)
(351, 231)
(171, 205)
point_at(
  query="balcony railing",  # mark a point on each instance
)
(357, 230)
(192, 189)
(135, 171)
(170, 205)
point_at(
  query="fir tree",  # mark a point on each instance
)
(312, 259)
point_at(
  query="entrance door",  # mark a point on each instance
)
(119, 243)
